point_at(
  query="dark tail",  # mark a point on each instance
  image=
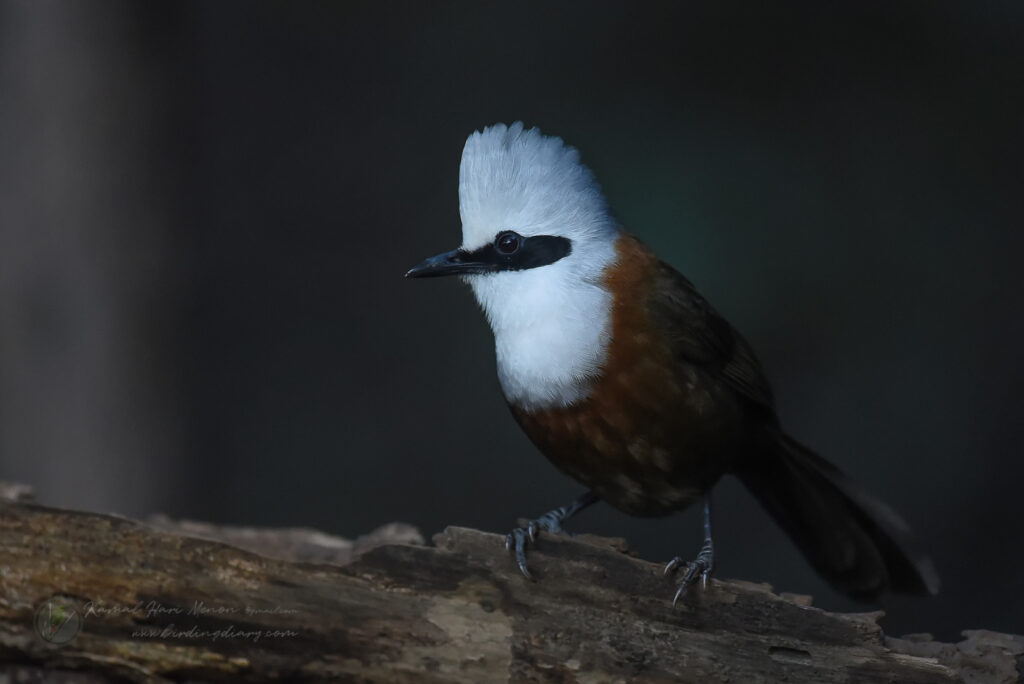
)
(853, 540)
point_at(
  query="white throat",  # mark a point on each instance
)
(551, 332)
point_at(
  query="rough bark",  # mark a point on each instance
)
(169, 601)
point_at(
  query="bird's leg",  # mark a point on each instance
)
(549, 522)
(705, 562)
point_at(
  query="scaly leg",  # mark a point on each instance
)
(549, 522)
(705, 561)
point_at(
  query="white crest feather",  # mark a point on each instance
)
(551, 323)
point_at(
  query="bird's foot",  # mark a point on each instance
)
(701, 567)
(518, 538)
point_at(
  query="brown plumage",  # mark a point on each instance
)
(656, 431)
(680, 401)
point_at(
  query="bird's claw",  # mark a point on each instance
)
(701, 567)
(517, 539)
(516, 542)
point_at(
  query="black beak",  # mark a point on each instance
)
(449, 263)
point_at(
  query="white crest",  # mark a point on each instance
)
(551, 323)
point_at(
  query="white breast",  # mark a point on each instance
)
(551, 332)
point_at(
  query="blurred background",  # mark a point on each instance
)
(206, 210)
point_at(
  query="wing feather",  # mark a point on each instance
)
(700, 336)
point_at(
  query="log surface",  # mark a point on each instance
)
(169, 602)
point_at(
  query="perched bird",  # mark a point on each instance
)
(628, 381)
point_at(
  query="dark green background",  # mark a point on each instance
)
(206, 210)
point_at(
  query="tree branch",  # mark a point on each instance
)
(165, 601)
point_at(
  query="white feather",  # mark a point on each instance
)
(551, 323)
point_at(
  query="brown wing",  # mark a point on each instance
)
(698, 335)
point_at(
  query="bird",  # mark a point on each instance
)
(628, 381)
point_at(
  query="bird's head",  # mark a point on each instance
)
(533, 217)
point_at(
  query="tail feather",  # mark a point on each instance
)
(853, 540)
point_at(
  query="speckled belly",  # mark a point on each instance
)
(649, 440)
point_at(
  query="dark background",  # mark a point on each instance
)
(206, 210)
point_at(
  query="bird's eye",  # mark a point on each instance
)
(507, 243)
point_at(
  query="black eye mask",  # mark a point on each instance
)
(509, 252)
